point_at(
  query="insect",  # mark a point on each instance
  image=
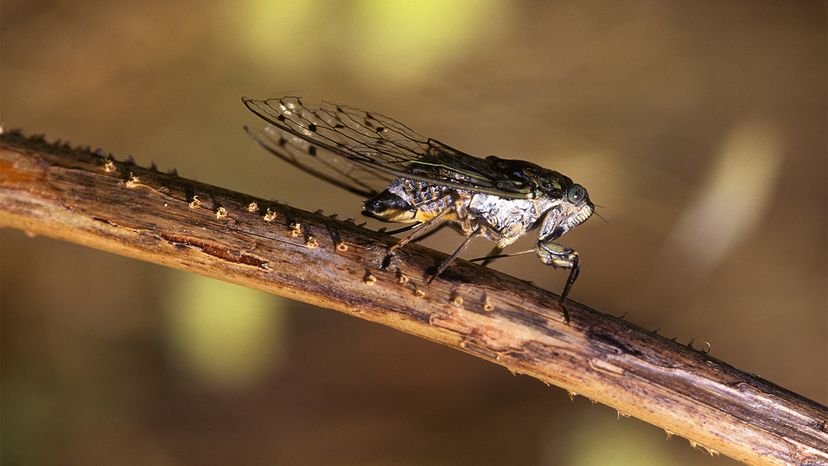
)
(412, 179)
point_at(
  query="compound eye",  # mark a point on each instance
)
(576, 194)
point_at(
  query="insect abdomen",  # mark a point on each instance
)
(409, 201)
(389, 207)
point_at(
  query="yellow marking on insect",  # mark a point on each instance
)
(109, 166)
(270, 215)
(295, 230)
(341, 247)
(423, 216)
(396, 215)
(312, 243)
(195, 203)
(457, 301)
(252, 207)
(487, 305)
(402, 278)
(221, 213)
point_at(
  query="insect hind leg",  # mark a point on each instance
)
(403, 229)
(422, 229)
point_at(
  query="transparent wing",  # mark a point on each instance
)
(355, 149)
(337, 170)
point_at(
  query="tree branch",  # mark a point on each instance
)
(85, 198)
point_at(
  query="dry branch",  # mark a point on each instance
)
(86, 198)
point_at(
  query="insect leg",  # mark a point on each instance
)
(446, 263)
(405, 228)
(492, 255)
(573, 275)
(560, 256)
(422, 229)
(417, 225)
(491, 258)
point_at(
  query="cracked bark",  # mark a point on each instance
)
(90, 199)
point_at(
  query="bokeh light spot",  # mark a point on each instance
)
(223, 335)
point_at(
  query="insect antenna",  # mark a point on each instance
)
(599, 215)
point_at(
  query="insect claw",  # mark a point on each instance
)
(564, 310)
(386, 261)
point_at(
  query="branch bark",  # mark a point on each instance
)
(87, 198)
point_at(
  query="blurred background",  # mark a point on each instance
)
(699, 127)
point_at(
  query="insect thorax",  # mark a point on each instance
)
(502, 219)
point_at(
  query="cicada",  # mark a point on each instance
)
(409, 178)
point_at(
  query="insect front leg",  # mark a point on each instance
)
(560, 256)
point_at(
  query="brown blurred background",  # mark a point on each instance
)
(700, 127)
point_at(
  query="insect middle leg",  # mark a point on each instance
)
(446, 263)
(497, 250)
(492, 255)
